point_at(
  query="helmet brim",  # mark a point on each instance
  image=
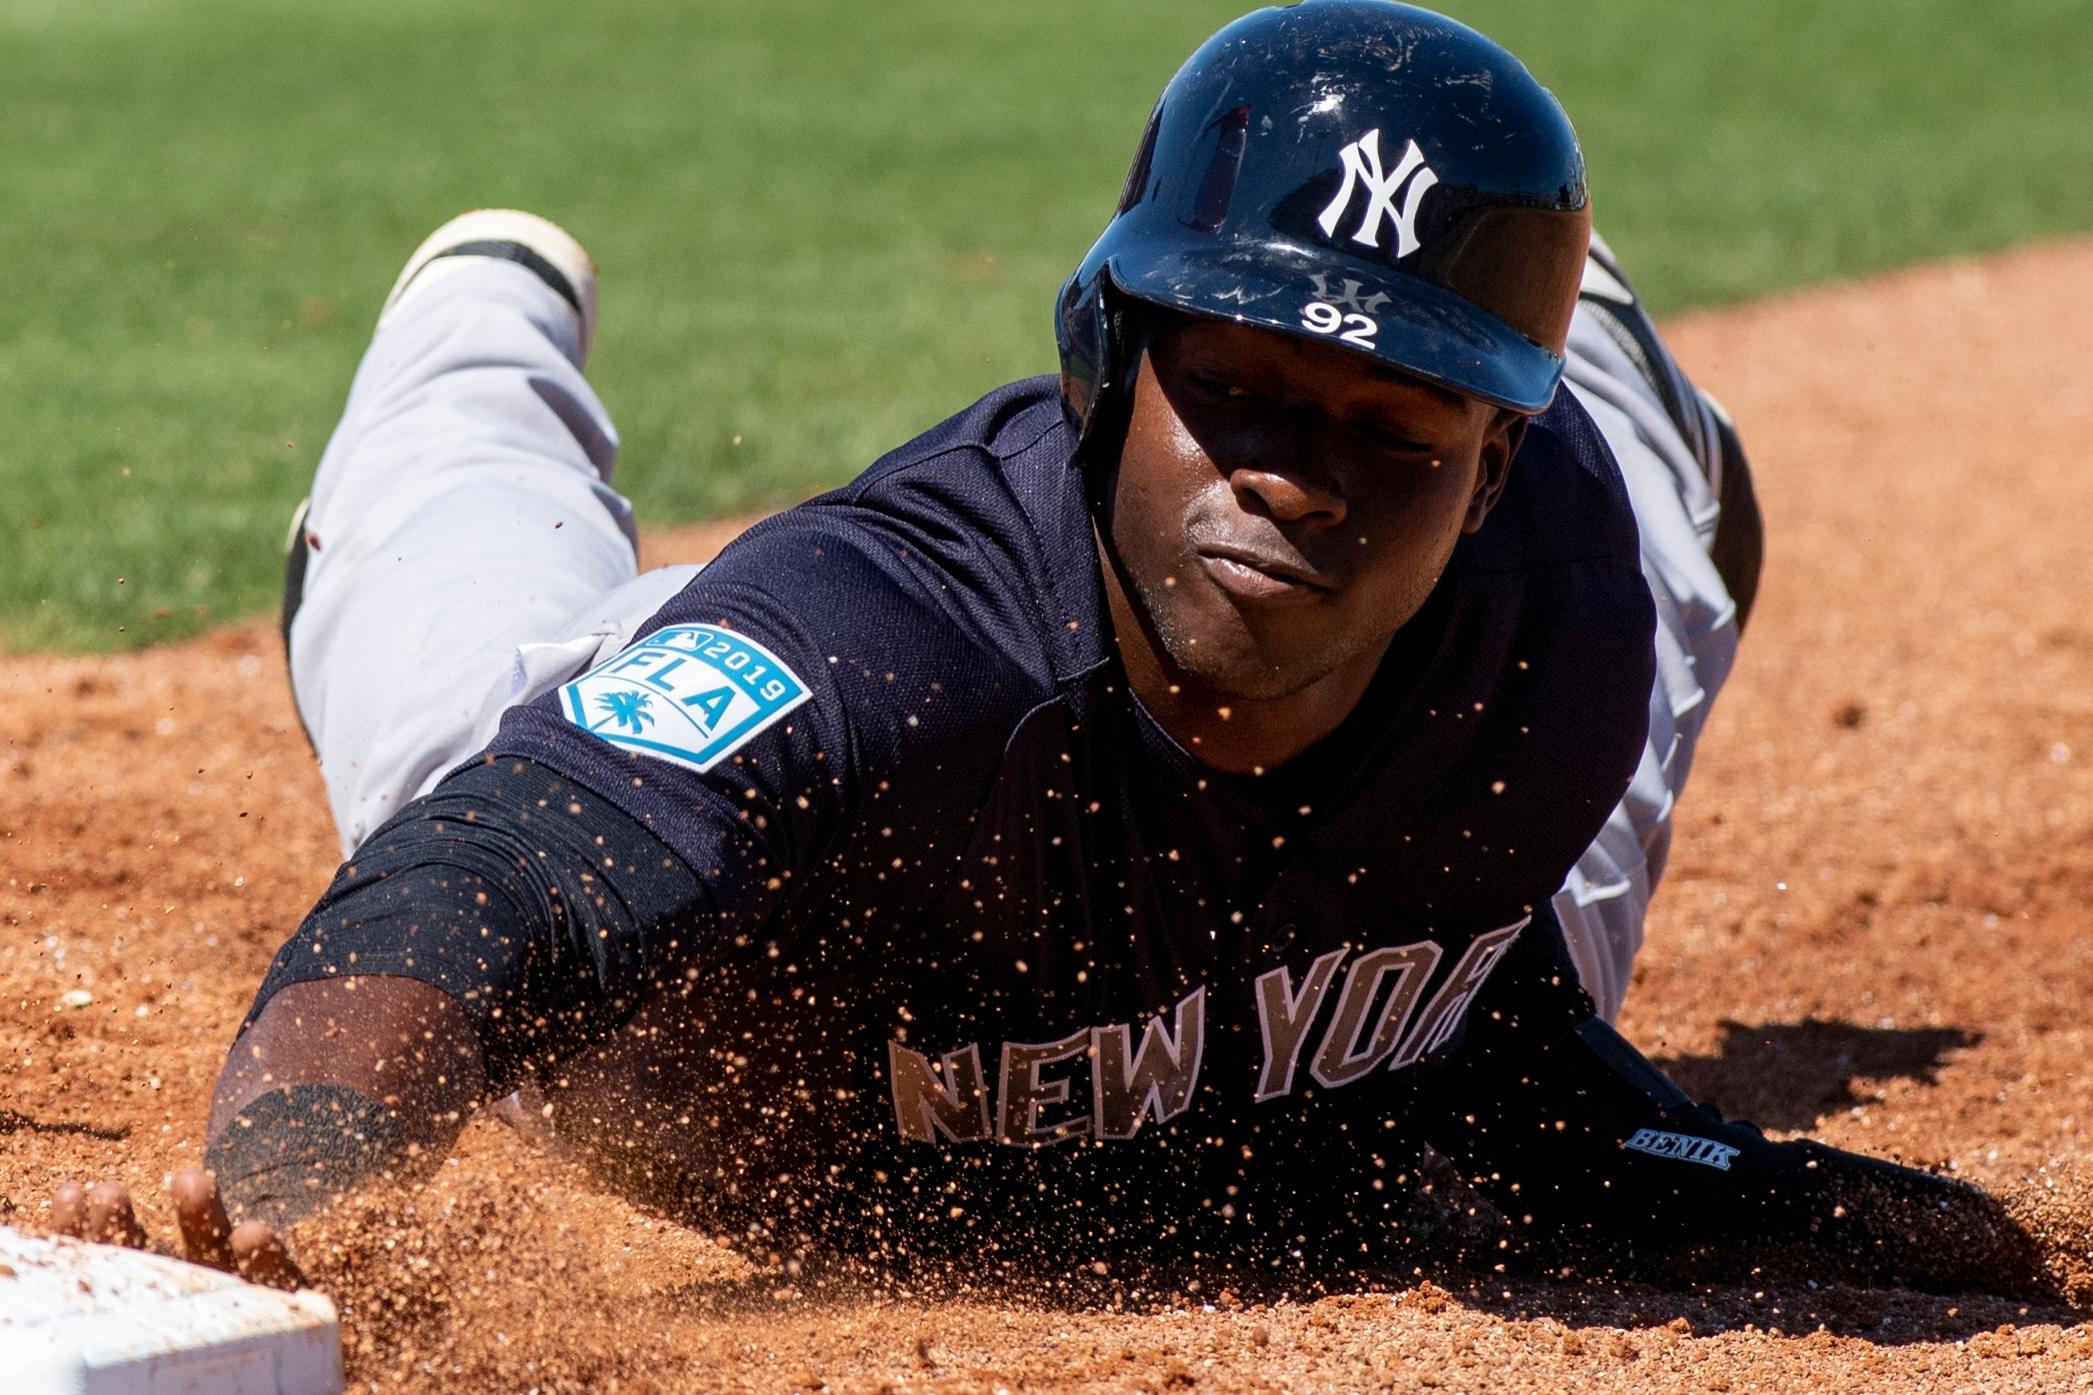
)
(1417, 327)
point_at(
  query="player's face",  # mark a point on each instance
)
(1282, 507)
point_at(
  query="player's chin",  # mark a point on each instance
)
(1256, 662)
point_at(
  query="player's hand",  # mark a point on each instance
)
(103, 1212)
(1922, 1229)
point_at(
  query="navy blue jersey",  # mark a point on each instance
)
(965, 925)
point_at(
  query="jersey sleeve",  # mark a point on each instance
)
(543, 911)
(668, 806)
(823, 672)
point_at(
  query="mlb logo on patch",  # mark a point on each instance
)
(691, 694)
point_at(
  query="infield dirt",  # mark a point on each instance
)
(1877, 927)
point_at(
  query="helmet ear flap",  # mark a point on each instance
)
(1103, 329)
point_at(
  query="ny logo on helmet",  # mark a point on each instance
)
(1362, 165)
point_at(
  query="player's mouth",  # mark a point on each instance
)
(1260, 576)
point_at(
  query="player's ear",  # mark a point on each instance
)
(1502, 443)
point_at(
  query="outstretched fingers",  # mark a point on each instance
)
(262, 1258)
(103, 1212)
(200, 1213)
(69, 1210)
(110, 1217)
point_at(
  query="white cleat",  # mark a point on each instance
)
(503, 234)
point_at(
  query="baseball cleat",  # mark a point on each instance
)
(504, 234)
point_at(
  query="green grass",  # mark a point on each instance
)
(823, 226)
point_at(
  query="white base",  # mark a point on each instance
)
(80, 1319)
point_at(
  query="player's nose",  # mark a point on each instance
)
(1289, 488)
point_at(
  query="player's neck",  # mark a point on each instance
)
(1232, 734)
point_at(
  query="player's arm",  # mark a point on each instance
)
(529, 905)
(337, 1080)
(504, 919)
(1583, 1143)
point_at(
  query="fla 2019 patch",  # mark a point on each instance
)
(690, 694)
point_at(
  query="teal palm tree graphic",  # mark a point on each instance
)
(628, 710)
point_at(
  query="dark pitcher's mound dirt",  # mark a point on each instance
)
(1876, 926)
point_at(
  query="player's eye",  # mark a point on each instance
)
(1386, 438)
(1221, 389)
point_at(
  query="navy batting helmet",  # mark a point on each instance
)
(1355, 171)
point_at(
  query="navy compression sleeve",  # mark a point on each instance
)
(545, 911)
(1578, 1138)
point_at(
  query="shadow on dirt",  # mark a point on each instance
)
(1646, 1305)
(1790, 1075)
(1930, 1276)
(13, 1120)
(1451, 1249)
(1880, 1316)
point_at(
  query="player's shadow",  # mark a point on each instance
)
(1655, 1314)
(12, 1120)
(1789, 1075)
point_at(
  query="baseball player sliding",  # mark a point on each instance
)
(1142, 813)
